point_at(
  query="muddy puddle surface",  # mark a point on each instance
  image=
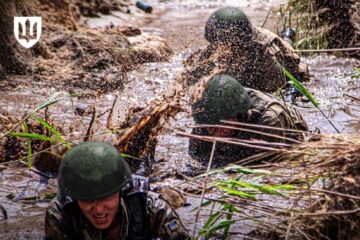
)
(23, 192)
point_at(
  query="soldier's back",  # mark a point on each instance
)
(254, 66)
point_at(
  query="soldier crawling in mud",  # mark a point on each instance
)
(249, 54)
(222, 97)
(97, 200)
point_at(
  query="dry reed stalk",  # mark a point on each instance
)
(325, 203)
(328, 50)
(204, 186)
(230, 141)
(247, 130)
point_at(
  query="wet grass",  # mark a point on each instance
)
(303, 18)
(301, 88)
(54, 136)
(50, 101)
(299, 196)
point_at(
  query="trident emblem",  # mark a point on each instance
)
(24, 39)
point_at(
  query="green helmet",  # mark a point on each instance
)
(93, 170)
(228, 24)
(223, 97)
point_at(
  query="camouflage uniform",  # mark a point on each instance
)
(92, 171)
(66, 221)
(266, 110)
(254, 66)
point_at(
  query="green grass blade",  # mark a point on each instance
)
(45, 104)
(221, 225)
(204, 204)
(247, 170)
(124, 155)
(237, 193)
(259, 187)
(283, 187)
(306, 93)
(32, 136)
(28, 144)
(300, 87)
(51, 129)
(212, 218)
(238, 169)
(229, 216)
(51, 100)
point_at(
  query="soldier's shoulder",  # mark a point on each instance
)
(271, 40)
(54, 207)
(263, 36)
(265, 103)
(58, 211)
(55, 224)
(257, 95)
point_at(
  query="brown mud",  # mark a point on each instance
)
(181, 25)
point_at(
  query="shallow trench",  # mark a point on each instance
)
(181, 23)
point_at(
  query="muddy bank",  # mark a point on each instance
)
(71, 55)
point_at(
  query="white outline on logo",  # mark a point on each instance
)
(32, 20)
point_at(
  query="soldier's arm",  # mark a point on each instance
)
(164, 221)
(290, 60)
(281, 116)
(56, 227)
(275, 116)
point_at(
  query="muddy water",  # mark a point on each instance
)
(181, 24)
(330, 87)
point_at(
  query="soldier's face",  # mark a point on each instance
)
(100, 212)
(223, 132)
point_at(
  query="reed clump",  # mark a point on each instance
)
(325, 24)
(307, 190)
(335, 212)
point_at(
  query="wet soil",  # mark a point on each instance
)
(181, 23)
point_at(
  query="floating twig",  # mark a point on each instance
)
(329, 50)
(352, 97)
(249, 130)
(204, 186)
(4, 213)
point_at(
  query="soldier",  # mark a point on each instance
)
(224, 98)
(249, 54)
(97, 200)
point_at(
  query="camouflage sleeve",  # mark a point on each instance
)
(278, 115)
(56, 227)
(164, 221)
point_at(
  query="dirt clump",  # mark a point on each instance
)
(92, 8)
(94, 60)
